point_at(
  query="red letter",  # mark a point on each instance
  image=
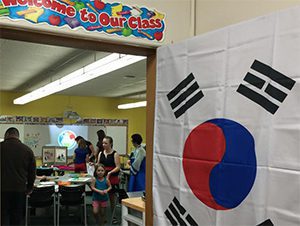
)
(83, 15)
(58, 7)
(145, 24)
(132, 22)
(29, 2)
(71, 11)
(114, 21)
(139, 22)
(122, 20)
(47, 3)
(92, 17)
(22, 2)
(104, 19)
(158, 23)
(37, 3)
(9, 2)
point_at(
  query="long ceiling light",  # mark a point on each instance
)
(103, 66)
(133, 105)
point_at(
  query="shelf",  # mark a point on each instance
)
(133, 219)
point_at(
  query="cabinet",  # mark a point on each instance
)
(133, 211)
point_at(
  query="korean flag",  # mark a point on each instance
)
(227, 126)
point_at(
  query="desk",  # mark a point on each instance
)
(129, 207)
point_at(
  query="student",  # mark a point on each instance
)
(100, 186)
(80, 156)
(90, 148)
(137, 164)
(111, 161)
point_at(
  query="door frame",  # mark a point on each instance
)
(57, 39)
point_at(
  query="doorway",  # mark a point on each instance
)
(105, 46)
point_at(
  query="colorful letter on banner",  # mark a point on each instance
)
(97, 15)
(227, 126)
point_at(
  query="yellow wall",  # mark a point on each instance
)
(86, 107)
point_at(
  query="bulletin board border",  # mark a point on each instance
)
(117, 128)
(38, 120)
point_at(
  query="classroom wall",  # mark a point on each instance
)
(86, 107)
(215, 14)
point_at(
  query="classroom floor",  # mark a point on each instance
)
(44, 217)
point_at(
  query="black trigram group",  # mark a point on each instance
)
(177, 214)
(264, 93)
(184, 95)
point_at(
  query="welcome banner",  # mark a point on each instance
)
(98, 16)
(227, 126)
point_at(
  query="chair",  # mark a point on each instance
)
(72, 196)
(120, 194)
(41, 197)
(44, 171)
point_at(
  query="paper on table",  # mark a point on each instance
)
(79, 179)
(47, 183)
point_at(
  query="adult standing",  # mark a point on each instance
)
(111, 161)
(99, 147)
(18, 171)
(137, 164)
(90, 148)
(80, 156)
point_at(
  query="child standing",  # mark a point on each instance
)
(100, 186)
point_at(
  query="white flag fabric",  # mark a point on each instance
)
(227, 126)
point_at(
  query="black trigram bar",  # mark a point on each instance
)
(257, 98)
(270, 90)
(254, 80)
(266, 223)
(276, 76)
(184, 95)
(175, 214)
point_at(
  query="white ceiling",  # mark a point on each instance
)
(26, 66)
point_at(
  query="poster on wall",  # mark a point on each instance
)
(48, 155)
(54, 155)
(36, 136)
(92, 16)
(60, 155)
(227, 125)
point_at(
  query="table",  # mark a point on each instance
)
(70, 178)
(63, 168)
(132, 208)
(60, 170)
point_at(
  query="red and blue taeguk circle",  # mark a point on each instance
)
(219, 163)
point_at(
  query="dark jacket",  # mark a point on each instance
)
(17, 166)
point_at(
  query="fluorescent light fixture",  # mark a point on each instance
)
(133, 105)
(103, 66)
